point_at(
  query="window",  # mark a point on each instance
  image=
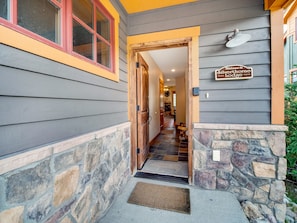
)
(81, 28)
(39, 19)
(174, 99)
(91, 32)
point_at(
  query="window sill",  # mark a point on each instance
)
(20, 41)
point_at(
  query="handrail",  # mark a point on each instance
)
(292, 70)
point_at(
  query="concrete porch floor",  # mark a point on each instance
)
(206, 207)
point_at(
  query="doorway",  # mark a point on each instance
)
(187, 37)
(168, 150)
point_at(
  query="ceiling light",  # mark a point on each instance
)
(173, 70)
(236, 39)
(168, 79)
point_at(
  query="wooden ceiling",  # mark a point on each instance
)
(134, 6)
(277, 4)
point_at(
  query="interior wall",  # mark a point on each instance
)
(180, 100)
(168, 100)
(187, 95)
(154, 95)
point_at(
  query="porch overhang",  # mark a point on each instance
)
(277, 4)
(134, 6)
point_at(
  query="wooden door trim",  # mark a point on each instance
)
(167, 39)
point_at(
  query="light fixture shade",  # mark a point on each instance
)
(236, 39)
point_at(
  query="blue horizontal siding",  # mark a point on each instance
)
(42, 101)
(229, 101)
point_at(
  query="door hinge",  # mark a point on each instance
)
(137, 64)
(138, 150)
(137, 107)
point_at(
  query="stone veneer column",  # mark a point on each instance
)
(251, 165)
(72, 181)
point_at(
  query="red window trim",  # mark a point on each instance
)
(103, 10)
(111, 44)
(13, 12)
(65, 45)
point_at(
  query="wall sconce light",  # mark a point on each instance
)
(236, 39)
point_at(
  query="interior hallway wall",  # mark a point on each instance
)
(180, 100)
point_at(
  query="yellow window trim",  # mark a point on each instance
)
(20, 41)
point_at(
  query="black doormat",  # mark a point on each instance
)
(161, 197)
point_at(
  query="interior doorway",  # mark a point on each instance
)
(168, 139)
(187, 37)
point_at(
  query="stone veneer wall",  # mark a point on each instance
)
(252, 165)
(68, 182)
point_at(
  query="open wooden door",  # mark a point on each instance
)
(142, 111)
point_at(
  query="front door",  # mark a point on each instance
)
(142, 111)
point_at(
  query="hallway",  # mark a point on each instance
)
(168, 153)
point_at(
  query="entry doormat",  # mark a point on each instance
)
(161, 197)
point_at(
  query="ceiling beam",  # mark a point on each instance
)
(277, 4)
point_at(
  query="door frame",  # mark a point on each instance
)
(160, 40)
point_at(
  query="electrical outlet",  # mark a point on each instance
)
(216, 155)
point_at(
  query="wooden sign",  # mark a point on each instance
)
(234, 72)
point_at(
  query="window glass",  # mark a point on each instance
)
(4, 9)
(83, 9)
(103, 25)
(174, 99)
(82, 41)
(40, 17)
(103, 53)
